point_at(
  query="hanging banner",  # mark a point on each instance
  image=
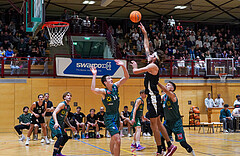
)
(81, 67)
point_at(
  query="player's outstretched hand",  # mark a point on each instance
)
(133, 64)
(119, 62)
(93, 70)
(142, 28)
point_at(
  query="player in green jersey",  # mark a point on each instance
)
(172, 115)
(57, 124)
(136, 116)
(110, 99)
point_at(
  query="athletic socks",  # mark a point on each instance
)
(133, 142)
(55, 152)
(97, 133)
(169, 143)
(137, 143)
(60, 150)
(159, 149)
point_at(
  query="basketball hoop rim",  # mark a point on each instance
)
(222, 74)
(53, 24)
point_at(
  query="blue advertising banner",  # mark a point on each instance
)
(81, 67)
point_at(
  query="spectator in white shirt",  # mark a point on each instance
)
(181, 65)
(199, 42)
(219, 101)
(171, 21)
(209, 103)
(192, 37)
(237, 102)
(235, 114)
(135, 37)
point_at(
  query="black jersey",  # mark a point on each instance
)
(39, 109)
(150, 83)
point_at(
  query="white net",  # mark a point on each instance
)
(223, 77)
(56, 35)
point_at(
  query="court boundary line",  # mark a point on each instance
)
(94, 146)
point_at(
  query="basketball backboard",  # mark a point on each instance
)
(216, 66)
(34, 14)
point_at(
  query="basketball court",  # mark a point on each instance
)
(207, 144)
(214, 75)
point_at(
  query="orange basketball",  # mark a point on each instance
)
(197, 122)
(195, 110)
(135, 16)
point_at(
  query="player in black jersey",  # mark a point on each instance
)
(153, 98)
(38, 110)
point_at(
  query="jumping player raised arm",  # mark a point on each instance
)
(172, 117)
(110, 99)
(57, 123)
(153, 98)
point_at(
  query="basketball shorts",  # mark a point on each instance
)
(154, 105)
(35, 120)
(137, 121)
(176, 128)
(58, 131)
(112, 123)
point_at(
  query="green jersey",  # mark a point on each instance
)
(25, 118)
(111, 101)
(171, 109)
(62, 114)
(139, 111)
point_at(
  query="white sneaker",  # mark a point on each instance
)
(193, 153)
(148, 134)
(47, 141)
(22, 138)
(129, 135)
(43, 140)
(144, 134)
(27, 142)
(225, 131)
(51, 140)
(35, 139)
(108, 136)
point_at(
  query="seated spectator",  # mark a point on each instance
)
(225, 118)
(92, 122)
(29, 47)
(192, 53)
(100, 116)
(237, 102)
(209, 103)
(146, 126)
(140, 45)
(135, 37)
(22, 48)
(197, 66)
(157, 43)
(181, 65)
(125, 120)
(219, 101)
(6, 45)
(119, 32)
(2, 52)
(199, 42)
(24, 121)
(235, 114)
(78, 117)
(171, 21)
(162, 69)
(15, 66)
(131, 53)
(9, 53)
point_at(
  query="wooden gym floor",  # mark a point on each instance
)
(217, 144)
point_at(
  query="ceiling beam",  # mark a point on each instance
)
(226, 12)
(80, 11)
(222, 13)
(14, 6)
(47, 4)
(120, 8)
(175, 9)
(209, 10)
(144, 8)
